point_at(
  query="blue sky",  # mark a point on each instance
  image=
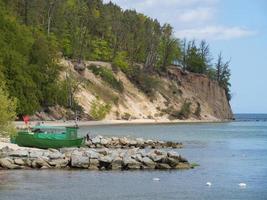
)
(238, 28)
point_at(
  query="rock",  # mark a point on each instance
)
(79, 161)
(117, 163)
(92, 154)
(55, 155)
(19, 161)
(59, 163)
(45, 167)
(140, 141)
(40, 162)
(35, 153)
(97, 139)
(148, 163)
(8, 163)
(171, 161)
(155, 157)
(182, 159)
(124, 141)
(129, 163)
(105, 141)
(162, 166)
(94, 164)
(183, 166)
(19, 153)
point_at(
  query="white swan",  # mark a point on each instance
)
(156, 179)
(208, 184)
(242, 185)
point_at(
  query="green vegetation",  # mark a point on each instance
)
(108, 76)
(99, 110)
(8, 113)
(35, 34)
(198, 110)
(184, 112)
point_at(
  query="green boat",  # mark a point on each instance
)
(45, 137)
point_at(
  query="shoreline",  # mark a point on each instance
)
(120, 122)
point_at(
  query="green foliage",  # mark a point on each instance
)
(108, 76)
(184, 112)
(8, 113)
(120, 61)
(99, 110)
(100, 50)
(198, 110)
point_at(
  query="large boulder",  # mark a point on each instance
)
(35, 153)
(92, 154)
(130, 163)
(97, 139)
(94, 164)
(55, 154)
(78, 160)
(19, 153)
(59, 163)
(8, 163)
(150, 164)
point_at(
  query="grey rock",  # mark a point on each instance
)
(92, 154)
(162, 166)
(19, 153)
(59, 163)
(55, 155)
(8, 163)
(35, 153)
(79, 161)
(149, 163)
(97, 139)
(19, 161)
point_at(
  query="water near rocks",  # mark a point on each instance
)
(228, 154)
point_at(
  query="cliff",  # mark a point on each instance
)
(176, 95)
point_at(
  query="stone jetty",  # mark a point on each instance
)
(91, 159)
(124, 143)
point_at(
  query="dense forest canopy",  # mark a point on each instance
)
(34, 34)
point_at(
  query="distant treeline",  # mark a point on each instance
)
(34, 34)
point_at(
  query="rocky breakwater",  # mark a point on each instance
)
(124, 143)
(91, 159)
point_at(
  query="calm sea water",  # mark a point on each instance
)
(228, 154)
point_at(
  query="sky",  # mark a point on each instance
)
(237, 28)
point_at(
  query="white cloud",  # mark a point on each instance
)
(215, 33)
(198, 14)
(186, 15)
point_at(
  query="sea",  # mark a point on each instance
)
(227, 154)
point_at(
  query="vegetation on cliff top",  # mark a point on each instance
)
(34, 34)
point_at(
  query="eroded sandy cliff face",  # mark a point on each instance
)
(207, 100)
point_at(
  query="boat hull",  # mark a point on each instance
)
(25, 139)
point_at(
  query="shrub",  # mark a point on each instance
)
(198, 110)
(99, 110)
(126, 116)
(8, 113)
(107, 76)
(184, 112)
(120, 61)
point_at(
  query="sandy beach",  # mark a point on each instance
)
(116, 122)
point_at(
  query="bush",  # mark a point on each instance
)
(120, 61)
(184, 112)
(107, 76)
(198, 110)
(99, 110)
(8, 113)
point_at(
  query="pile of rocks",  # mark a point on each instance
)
(92, 159)
(124, 142)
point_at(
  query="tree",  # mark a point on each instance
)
(223, 74)
(8, 113)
